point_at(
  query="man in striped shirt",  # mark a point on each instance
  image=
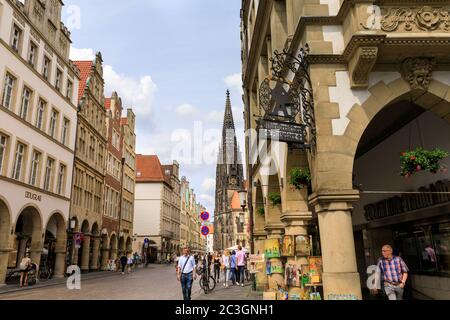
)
(394, 272)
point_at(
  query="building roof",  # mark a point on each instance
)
(170, 169)
(85, 71)
(149, 169)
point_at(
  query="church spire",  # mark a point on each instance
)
(228, 121)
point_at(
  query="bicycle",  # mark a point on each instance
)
(46, 273)
(207, 282)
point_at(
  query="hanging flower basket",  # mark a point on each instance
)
(300, 178)
(261, 211)
(422, 160)
(275, 198)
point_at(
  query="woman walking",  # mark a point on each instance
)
(217, 267)
(226, 267)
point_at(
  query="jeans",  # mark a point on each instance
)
(217, 273)
(241, 273)
(393, 292)
(186, 285)
(233, 275)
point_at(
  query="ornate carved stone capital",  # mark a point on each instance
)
(360, 66)
(333, 200)
(418, 71)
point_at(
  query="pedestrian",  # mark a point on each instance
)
(217, 267)
(25, 266)
(233, 267)
(123, 262)
(392, 270)
(186, 273)
(240, 263)
(129, 263)
(226, 267)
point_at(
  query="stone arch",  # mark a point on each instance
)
(29, 234)
(5, 236)
(85, 227)
(95, 229)
(121, 245)
(129, 245)
(335, 158)
(113, 246)
(55, 242)
(258, 203)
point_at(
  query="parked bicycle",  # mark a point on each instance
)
(207, 282)
(46, 273)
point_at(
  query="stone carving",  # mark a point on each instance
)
(418, 72)
(361, 65)
(425, 18)
(38, 11)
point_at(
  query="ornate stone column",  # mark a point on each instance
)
(85, 253)
(95, 252)
(261, 277)
(334, 210)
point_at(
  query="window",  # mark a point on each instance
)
(32, 54)
(92, 148)
(82, 141)
(18, 161)
(53, 122)
(69, 90)
(3, 141)
(46, 68)
(58, 80)
(26, 97)
(16, 37)
(34, 168)
(40, 114)
(48, 174)
(65, 131)
(8, 91)
(61, 179)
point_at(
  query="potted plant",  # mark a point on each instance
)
(300, 178)
(261, 211)
(275, 198)
(422, 160)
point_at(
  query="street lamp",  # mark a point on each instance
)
(243, 198)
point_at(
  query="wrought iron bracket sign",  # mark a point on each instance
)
(283, 131)
(288, 104)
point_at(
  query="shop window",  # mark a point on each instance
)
(426, 249)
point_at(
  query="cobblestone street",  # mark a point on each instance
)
(157, 282)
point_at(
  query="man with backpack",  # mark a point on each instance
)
(186, 273)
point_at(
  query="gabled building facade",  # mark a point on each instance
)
(38, 117)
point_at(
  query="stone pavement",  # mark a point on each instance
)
(13, 288)
(231, 293)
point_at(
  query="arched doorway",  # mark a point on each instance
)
(129, 246)
(407, 212)
(121, 246)
(5, 238)
(84, 250)
(94, 256)
(53, 254)
(28, 236)
(113, 247)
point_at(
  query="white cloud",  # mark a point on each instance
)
(234, 81)
(207, 199)
(135, 93)
(215, 116)
(81, 54)
(209, 185)
(185, 110)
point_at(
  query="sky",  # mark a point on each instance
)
(172, 62)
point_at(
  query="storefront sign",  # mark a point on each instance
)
(282, 131)
(33, 196)
(408, 202)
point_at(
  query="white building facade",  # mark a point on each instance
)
(38, 120)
